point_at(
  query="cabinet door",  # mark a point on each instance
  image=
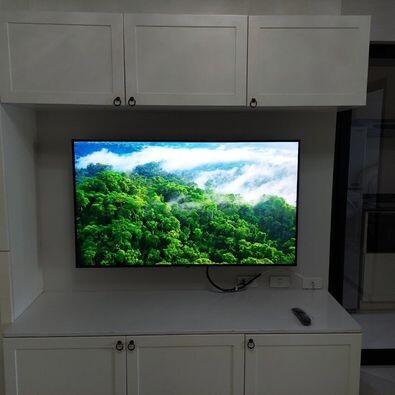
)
(66, 58)
(308, 60)
(186, 59)
(65, 366)
(180, 365)
(303, 364)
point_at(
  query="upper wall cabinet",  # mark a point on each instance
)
(200, 60)
(186, 59)
(307, 60)
(62, 58)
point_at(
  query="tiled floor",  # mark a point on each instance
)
(377, 380)
(378, 329)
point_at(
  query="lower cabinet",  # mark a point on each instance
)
(311, 364)
(184, 365)
(65, 366)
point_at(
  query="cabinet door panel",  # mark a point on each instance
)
(65, 366)
(303, 365)
(308, 60)
(186, 59)
(193, 365)
(71, 58)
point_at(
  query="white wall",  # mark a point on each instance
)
(17, 151)
(56, 129)
(20, 261)
(2, 389)
(382, 12)
(5, 281)
(182, 6)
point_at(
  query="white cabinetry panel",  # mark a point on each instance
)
(308, 60)
(6, 300)
(186, 59)
(62, 58)
(80, 58)
(180, 365)
(303, 364)
(65, 366)
(4, 238)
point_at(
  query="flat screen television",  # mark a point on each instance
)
(185, 203)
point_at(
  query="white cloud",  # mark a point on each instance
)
(264, 171)
(254, 181)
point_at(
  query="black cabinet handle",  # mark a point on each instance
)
(253, 103)
(251, 344)
(131, 101)
(119, 346)
(131, 346)
(117, 101)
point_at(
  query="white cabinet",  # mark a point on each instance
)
(62, 58)
(190, 364)
(312, 364)
(308, 60)
(4, 243)
(186, 59)
(6, 297)
(65, 366)
(217, 364)
(144, 365)
(201, 60)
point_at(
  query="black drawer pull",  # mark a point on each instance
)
(131, 346)
(119, 346)
(251, 344)
(117, 101)
(253, 103)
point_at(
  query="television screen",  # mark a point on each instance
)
(158, 203)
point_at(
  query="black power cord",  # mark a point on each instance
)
(236, 288)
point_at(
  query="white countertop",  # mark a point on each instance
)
(180, 312)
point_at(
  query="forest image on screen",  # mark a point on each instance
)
(185, 203)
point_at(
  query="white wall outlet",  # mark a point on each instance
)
(312, 283)
(243, 279)
(280, 281)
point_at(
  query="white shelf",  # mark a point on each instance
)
(179, 312)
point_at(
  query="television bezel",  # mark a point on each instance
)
(185, 140)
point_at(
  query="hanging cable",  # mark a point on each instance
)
(236, 288)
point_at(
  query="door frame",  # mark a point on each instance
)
(378, 50)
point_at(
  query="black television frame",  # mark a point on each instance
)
(184, 140)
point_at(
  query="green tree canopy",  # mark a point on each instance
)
(150, 217)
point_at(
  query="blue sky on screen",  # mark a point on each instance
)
(249, 169)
